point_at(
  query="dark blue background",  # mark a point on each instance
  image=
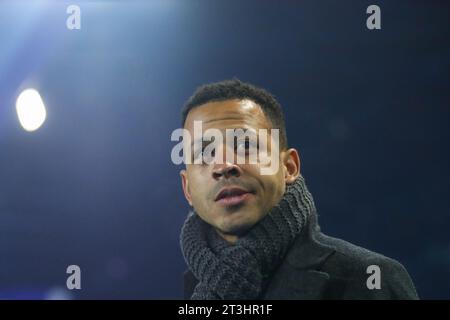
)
(368, 110)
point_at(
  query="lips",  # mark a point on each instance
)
(232, 196)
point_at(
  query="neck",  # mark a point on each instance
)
(230, 238)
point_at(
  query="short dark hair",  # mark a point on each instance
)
(236, 89)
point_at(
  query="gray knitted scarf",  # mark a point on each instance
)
(240, 270)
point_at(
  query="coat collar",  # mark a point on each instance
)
(300, 275)
(308, 251)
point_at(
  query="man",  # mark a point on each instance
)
(255, 236)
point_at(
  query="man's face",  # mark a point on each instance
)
(231, 197)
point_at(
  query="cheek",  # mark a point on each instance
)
(253, 170)
(276, 188)
(274, 185)
(198, 188)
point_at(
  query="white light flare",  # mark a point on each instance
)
(30, 110)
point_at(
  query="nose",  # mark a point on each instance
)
(226, 170)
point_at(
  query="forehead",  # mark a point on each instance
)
(228, 114)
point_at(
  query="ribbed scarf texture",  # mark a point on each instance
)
(240, 270)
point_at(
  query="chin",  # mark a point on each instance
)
(237, 226)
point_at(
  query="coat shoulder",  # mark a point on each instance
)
(350, 266)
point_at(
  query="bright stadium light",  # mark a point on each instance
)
(30, 109)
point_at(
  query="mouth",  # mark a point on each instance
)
(232, 196)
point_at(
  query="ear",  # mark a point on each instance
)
(184, 183)
(291, 161)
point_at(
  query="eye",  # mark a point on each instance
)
(205, 157)
(197, 155)
(245, 144)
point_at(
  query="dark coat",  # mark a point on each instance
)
(321, 267)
